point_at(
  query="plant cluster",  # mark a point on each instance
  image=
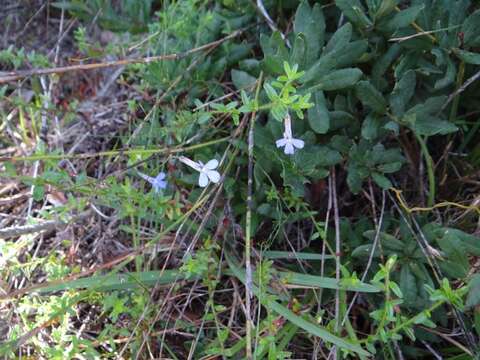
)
(341, 145)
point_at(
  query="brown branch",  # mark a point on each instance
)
(49, 225)
(17, 75)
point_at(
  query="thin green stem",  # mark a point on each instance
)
(248, 229)
(414, 319)
(430, 170)
(166, 151)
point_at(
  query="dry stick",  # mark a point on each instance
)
(17, 75)
(270, 22)
(248, 265)
(324, 243)
(461, 89)
(337, 254)
(447, 338)
(50, 225)
(370, 257)
(248, 228)
(422, 33)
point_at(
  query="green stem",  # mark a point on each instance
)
(430, 170)
(248, 230)
(116, 152)
(411, 321)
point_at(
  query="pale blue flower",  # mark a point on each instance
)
(207, 171)
(288, 141)
(158, 182)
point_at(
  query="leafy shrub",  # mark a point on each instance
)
(370, 98)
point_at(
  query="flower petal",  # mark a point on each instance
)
(288, 127)
(212, 164)
(299, 144)
(190, 163)
(203, 180)
(146, 177)
(159, 184)
(289, 150)
(161, 175)
(214, 176)
(281, 142)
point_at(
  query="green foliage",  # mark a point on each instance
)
(127, 15)
(367, 86)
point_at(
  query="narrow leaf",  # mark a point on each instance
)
(283, 311)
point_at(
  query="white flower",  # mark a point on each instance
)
(288, 141)
(157, 182)
(207, 171)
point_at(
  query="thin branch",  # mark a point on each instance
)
(461, 89)
(248, 228)
(338, 249)
(370, 257)
(270, 22)
(422, 33)
(49, 225)
(165, 151)
(17, 75)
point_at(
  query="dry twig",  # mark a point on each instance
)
(17, 75)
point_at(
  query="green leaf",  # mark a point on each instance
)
(456, 264)
(318, 116)
(313, 281)
(116, 281)
(408, 285)
(298, 52)
(402, 93)
(382, 64)
(73, 6)
(311, 23)
(38, 193)
(315, 329)
(338, 79)
(242, 80)
(364, 251)
(470, 242)
(354, 11)
(390, 167)
(473, 297)
(429, 126)
(388, 241)
(402, 19)
(339, 39)
(471, 29)
(422, 118)
(289, 315)
(272, 254)
(381, 181)
(338, 58)
(355, 177)
(468, 57)
(449, 77)
(370, 127)
(371, 97)
(386, 7)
